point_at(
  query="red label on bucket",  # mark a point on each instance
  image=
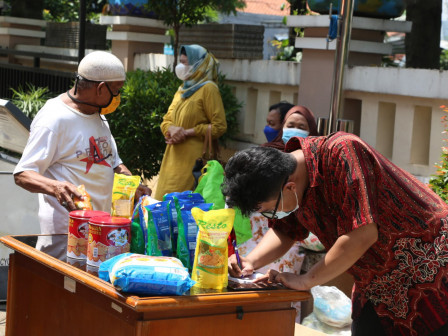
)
(78, 231)
(108, 237)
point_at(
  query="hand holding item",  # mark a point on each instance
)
(65, 192)
(142, 190)
(234, 269)
(289, 280)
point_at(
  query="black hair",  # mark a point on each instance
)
(283, 107)
(255, 175)
(183, 51)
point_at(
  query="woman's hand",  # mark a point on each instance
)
(289, 280)
(175, 135)
(234, 269)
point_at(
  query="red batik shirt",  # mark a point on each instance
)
(404, 274)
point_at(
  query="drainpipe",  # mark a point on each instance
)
(341, 56)
(82, 30)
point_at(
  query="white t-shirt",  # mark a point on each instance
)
(67, 145)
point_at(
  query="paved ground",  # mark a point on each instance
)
(2, 318)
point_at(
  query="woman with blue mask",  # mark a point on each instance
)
(275, 118)
(298, 122)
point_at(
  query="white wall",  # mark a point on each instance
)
(398, 110)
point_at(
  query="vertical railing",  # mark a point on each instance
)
(341, 56)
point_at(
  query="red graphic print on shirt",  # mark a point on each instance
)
(95, 156)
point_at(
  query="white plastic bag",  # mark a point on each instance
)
(332, 306)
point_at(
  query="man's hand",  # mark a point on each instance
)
(235, 271)
(142, 190)
(64, 192)
(289, 280)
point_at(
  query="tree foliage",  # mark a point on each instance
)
(439, 182)
(178, 13)
(68, 10)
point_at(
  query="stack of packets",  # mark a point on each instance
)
(180, 230)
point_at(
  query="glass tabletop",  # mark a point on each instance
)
(56, 247)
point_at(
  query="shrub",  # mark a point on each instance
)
(439, 182)
(135, 125)
(31, 100)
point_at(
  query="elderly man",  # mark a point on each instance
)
(376, 221)
(71, 144)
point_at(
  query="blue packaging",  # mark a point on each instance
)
(146, 275)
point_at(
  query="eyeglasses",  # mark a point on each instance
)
(272, 214)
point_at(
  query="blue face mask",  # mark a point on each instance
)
(288, 133)
(270, 133)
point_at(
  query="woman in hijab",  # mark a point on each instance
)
(298, 122)
(196, 104)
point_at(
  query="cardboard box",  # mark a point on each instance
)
(301, 330)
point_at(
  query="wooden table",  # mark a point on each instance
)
(50, 296)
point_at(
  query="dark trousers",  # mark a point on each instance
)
(368, 324)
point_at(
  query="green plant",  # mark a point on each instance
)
(285, 52)
(136, 123)
(439, 182)
(30, 101)
(68, 10)
(444, 60)
(232, 107)
(178, 13)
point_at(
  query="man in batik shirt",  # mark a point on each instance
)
(376, 221)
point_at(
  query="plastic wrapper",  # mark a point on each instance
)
(312, 243)
(211, 256)
(146, 275)
(332, 306)
(174, 205)
(188, 230)
(139, 232)
(156, 218)
(123, 193)
(83, 203)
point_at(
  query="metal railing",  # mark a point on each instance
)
(15, 76)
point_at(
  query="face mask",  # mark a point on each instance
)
(288, 133)
(182, 71)
(270, 133)
(113, 103)
(283, 214)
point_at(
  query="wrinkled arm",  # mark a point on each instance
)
(37, 183)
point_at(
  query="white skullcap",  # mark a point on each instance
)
(101, 66)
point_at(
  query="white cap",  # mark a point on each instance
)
(101, 66)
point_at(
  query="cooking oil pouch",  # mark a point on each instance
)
(83, 203)
(123, 193)
(188, 230)
(210, 258)
(139, 232)
(174, 209)
(194, 197)
(159, 229)
(146, 275)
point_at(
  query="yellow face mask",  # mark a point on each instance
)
(114, 103)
